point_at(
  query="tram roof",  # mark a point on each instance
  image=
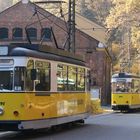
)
(44, 52)
(125, 75)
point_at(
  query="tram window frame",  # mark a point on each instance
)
(43, 80)
(62, 74)
(19, 78)
(79, 81)
(121, 86)
(29, 84)
(72, 77)
(65, 86)
(135, 86)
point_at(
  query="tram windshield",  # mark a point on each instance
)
(6, 80)
(121, 86)
(12, 79)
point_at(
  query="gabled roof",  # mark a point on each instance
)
(91, 28)
(88, 27)
(29, 9)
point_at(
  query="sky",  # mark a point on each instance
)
(7, 3)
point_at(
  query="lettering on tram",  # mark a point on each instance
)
(40, 88)
(125, 91)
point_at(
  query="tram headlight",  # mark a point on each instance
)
(1, 110)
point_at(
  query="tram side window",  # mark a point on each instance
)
(43, 76)
(70, 78)
(19, 78)
(81, 79)
(62, 77)
(29, 82)
(72, 73)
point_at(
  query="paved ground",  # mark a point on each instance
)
(107, 126)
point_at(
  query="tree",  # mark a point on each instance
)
(95, 10)
(124, 17)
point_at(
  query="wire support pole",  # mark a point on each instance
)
(71, 26)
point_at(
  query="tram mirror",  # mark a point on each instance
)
(33, 74)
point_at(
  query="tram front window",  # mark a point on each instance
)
(6, 80)
(121, 87)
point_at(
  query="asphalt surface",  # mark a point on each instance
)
(107, 126)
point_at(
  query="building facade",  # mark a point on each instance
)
(26, 22)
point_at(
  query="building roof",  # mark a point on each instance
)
(83, 24)
(91, 28)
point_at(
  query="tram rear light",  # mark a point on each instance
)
(16, 113)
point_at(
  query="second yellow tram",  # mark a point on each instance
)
(125, 91)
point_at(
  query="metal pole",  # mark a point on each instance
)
(71, 26)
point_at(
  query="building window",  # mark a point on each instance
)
(3, 33)
(32, 33)
(46, 34)
(17, 33)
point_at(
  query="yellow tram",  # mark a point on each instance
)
(41, 87)
(125, 91)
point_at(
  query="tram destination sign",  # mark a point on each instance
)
(3, 50)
